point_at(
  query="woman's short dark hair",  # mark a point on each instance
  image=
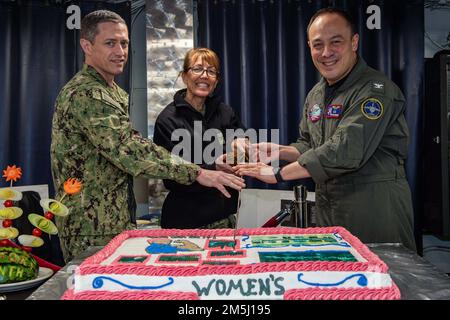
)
(90, 22)
(344, 14)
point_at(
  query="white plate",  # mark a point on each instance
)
(44, 273)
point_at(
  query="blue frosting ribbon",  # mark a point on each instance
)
(362, 281)
(98, 283)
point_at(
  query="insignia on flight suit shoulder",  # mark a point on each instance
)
(378, 87)
(372, 108)
(315, 113)
(334, 111)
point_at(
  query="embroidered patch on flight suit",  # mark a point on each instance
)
(334, 111)
(372, 108)
(315, 113)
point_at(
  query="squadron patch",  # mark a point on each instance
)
(372, 108)
(334, 111)
(315, 113)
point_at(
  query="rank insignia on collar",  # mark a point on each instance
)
(334, 111)
(372, 108)
(315, 113)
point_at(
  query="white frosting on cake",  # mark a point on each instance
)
(137, 247)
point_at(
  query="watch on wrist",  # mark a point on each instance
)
(277, 173)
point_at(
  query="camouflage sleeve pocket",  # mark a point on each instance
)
(106, 99)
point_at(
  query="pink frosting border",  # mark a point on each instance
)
(128, 295)
(391, 293)
(92, 264)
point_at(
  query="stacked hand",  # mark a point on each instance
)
(223, 165)
(220, 180)
(240, 150)
(240, 146)
(265, 152)
(258, 170)
(260, 154)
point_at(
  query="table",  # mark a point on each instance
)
(416, 278)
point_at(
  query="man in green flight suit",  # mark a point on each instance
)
(93, 141)
(353, 140)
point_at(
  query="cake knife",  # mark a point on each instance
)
(235, 160)
(237, 220)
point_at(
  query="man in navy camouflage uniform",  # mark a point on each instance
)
(93, 141)
(353, 140)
